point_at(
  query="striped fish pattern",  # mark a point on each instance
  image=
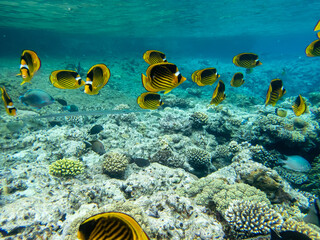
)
(299, 106)
(246, 60)
(66, 79)
(205, 77)
(218, 94)
(149, 100)
(154, 56)
(275, 92)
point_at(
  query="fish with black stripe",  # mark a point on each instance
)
(205, 76)
(29, 64)
(162, 77)
(275, 92)
(154, 56)
(149, 100)
(237, 80)
(313, 50)
(97, 77)
(8, 104)
(218, 94)
(299, 106)
(66, 79)
(111, 226)
(246, 60)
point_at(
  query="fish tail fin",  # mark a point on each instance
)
(144, 79)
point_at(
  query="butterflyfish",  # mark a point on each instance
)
(154, 56)
(313, 50)
(149, 100)
(111, 225)
(299, 106)
(162, 77)
(275, 92)
(97, 76)
(66, 79)
(8, 104)
(246, 60)
(218, 94)
(205, 76)
(237, 80)
(29, 65)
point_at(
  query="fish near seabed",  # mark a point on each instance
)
(275, 92)
(154, 56)
(299, 106)
(29, 64)
(97, 77)
(111, 225)
(218, 94)
(36, 98)
(296, 163)
(313, 215)
(66, 79)
(288, 235)
(8, 104)
(204, 77)
(162, 77)
(237, 80)
(149, 100)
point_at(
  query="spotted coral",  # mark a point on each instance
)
(251, 218)
(66, 168)
(115, 164)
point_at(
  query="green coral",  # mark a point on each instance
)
(66, 168)
(207, 190)
(115, 164)
(198, 158)
(250, 218)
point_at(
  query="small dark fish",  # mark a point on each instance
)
(154, 56)
(218, 95)
(111, 225)
(96, 129)
(299, 106)
(246, 60)
(313, 215)
(288, 235)
(70, 108)
(62, 101)
(98, 147)
(141, 162)
(36, 98)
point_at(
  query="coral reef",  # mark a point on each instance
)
(292, 176)
(66, 168)
(302, 227)
(198, 120)
(115, 164)
(252, 218)
(198, 158)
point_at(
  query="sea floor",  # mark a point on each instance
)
(176, 170)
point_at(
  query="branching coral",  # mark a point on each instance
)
(250, 218)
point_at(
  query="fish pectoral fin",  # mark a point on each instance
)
(19, 74)
(168, 90)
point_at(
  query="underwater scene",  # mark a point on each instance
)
(160, 120)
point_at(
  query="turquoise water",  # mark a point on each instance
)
(163, 174)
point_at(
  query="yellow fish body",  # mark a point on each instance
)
(313, 50)
(218, 94)
(317, 28)
(29, 64)
(299, 106)
(149, 100)
(275, 92)
(246, 60)
(205, 77)
(97, 77)
(8, 104)
(66, 79)
(281, 112)
(154, 56)
(162, 77)
(111, 225)
(237, 80)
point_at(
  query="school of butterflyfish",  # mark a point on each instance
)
(161, 76)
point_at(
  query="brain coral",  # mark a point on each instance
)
(66, 167)
(115, 164)
(250, 218)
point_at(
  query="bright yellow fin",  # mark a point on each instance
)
(317, 27)
(168, 90)
(19, 74)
